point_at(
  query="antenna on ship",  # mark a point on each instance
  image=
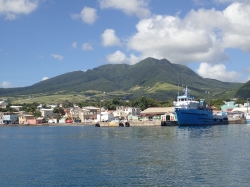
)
(178, 83)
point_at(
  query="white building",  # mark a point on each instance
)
(10, 118)
(74, 112)
(132, 111)
(88, 113)
(16, 107)
(123, 112)
(105, 116)
(47, 113)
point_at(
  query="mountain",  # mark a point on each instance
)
(244, 91)
(150, 77)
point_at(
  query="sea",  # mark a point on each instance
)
(125, 156)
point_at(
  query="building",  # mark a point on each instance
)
(1, 117)
(74, 112)
(123, 112)
(105, 116)
(23, 119)
(67, 112)
(132, 111)
(88, 113)
(156, 113)
(35, 121)
(3, 104)
(10, 118)
(228, 106)
(120, 114)
(47, 113)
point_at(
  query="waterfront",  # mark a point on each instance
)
(134, 156)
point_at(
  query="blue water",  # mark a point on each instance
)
(132, 156)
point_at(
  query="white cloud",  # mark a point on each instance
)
(86, 47)
(88, 15)
(12, 8)
(227, 1)
(45, 78)
(201, 36)
(236, 33)
(130, 7)
(59, 57)
(6, 84)
(109, 38)
(74, 45)
(218, 72)
(119, 57)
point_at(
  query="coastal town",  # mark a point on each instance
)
(99, 116)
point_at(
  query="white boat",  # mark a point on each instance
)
(247, 117)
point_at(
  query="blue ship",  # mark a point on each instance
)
(190, 112)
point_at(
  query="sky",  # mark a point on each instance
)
(41, 39)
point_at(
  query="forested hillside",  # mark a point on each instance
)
(150, 77)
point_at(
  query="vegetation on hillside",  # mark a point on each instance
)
(151, 78)
(244, 91)
(110, 104)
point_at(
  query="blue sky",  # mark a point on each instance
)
(41, 39)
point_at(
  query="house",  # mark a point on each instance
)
(235, 115)
(74, 112)
(35, 121)
(67, 112)
(88, 113)
(123, 112)
(47, 113)
(105, 116)
(10, 118)
(3, 104)
(228, 106)
(23, 119)
(132, 111)
(156, 113)
(120, 114)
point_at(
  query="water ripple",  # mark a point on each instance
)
(136, 156)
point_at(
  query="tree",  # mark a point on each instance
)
(37, 113)
(112, 104)
(67, 104)
(144, 103)
(59, 111)
(217, 103)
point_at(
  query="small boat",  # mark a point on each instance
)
(191, 112)
(247, 118)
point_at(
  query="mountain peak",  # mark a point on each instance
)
(150, 77)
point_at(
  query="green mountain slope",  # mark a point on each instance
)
(151, 77)
(244, 91)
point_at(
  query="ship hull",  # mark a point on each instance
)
(189, 117)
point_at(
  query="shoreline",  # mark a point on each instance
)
(46, 124)
(104, 124)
